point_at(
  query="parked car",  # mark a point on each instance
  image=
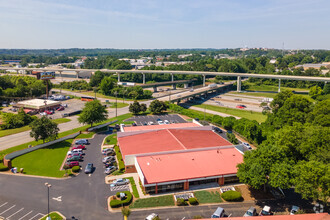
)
(119, 182)
(160, 122)
(48, 112)
(72, 164)
(108, 159)
(134, 124)
(60, 108)
(89, 168)
(43, 113)
(152, 216)
(82, 147)
(81, 141)
(266, 211)
(109, 164)
(107, 150)
(117, 127)
(150, 123)
(294, 210)
(69, 153)
(219, 213)
(251, 212)
(247, 145)
(166, 122)
(191, 90)
(216, 129)
(110, 169)
(75, 158)
(77, 155)
(78, 151)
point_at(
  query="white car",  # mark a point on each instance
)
(110, 170)
(77, 151)
(106, 159)
(81, 141)
(247, 145)
(166, 122)
(119, 182)
(69, 153)
(150, 123)
(43, 113)
(161, 122)
(151, 216)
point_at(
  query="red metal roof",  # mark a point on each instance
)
(169, 140)
(189, 165)
(157, 127)
(320, 216)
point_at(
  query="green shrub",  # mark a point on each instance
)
(115, 203)
(75, 169)
(121, 164)
(3, 167)
(181, 202)
(193, 201)
(231, 196)
(197, 217)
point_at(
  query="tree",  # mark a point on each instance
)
(157, 107)
(312, 180)
(279, 100)
(321, 114)
(135, 107)
(258, 164)
(107, 85)
(93, 112)
(315, 91)
(44, 128)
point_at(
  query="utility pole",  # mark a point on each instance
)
(116, 104)
(48, 187)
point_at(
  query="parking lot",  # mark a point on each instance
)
(72, 106)
(13, 211)
(144, 120)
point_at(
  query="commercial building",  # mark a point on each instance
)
(178, 156)
(37, 105)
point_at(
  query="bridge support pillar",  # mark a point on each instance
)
(172, 77)
(17, 71)
(118, 74)
(155, 88)
(186, 85)
(60, 74)
(77, 74)
(239, 84)
(143, 78)
(174, 86)
(203, 80)
(279, 85)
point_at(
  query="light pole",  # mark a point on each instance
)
(116, 104)
(48, 187)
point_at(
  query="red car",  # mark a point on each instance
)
(79, 147)
(72, 164)
(49, 112)
(60, 108)
(241, 106)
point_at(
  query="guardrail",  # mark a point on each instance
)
(101, 126)
(28, 150)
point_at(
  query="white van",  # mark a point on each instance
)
(219, 213)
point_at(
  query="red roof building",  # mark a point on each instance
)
(158, 127)
(320, 216)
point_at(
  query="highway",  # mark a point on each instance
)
(244, 75)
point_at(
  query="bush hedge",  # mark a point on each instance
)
(193, 201)
(232, 196)
(115, 203)
(121, 164)
(3, 167)
(76, 169)
(181, 202)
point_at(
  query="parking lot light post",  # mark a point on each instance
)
(116, 104)
(48, 187)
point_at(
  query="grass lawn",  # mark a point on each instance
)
(44, 162)
(83, 128)
(26, 128)
(135, 191)
(253, 87)
(207, 197)
(258, 116)
(111, 139)
(53, 216)
(153, 202)
(113, 104)
(256, 94)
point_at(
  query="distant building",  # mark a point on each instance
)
(313, 66)
(181, 56)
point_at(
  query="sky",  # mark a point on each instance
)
(160, 24)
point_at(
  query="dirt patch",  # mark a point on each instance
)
(250, 194)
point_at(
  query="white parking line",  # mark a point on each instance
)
(15, 213)
(7, 209)
(3, 204)
(37, 215)
(25, 215)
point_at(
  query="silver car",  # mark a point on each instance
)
(119, 182)
(251, 212)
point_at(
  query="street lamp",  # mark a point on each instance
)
(116, 102)
(48, 187)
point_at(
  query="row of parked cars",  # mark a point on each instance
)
(109, 160)
(220, 212)
(52, 111)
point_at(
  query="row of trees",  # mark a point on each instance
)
(11, 120)
(21, 86)
(295, 152)
(155, 107)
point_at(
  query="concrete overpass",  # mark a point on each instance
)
(204, 74)
(186, 83)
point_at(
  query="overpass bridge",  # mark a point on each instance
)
(186, 83)
(172, 73)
